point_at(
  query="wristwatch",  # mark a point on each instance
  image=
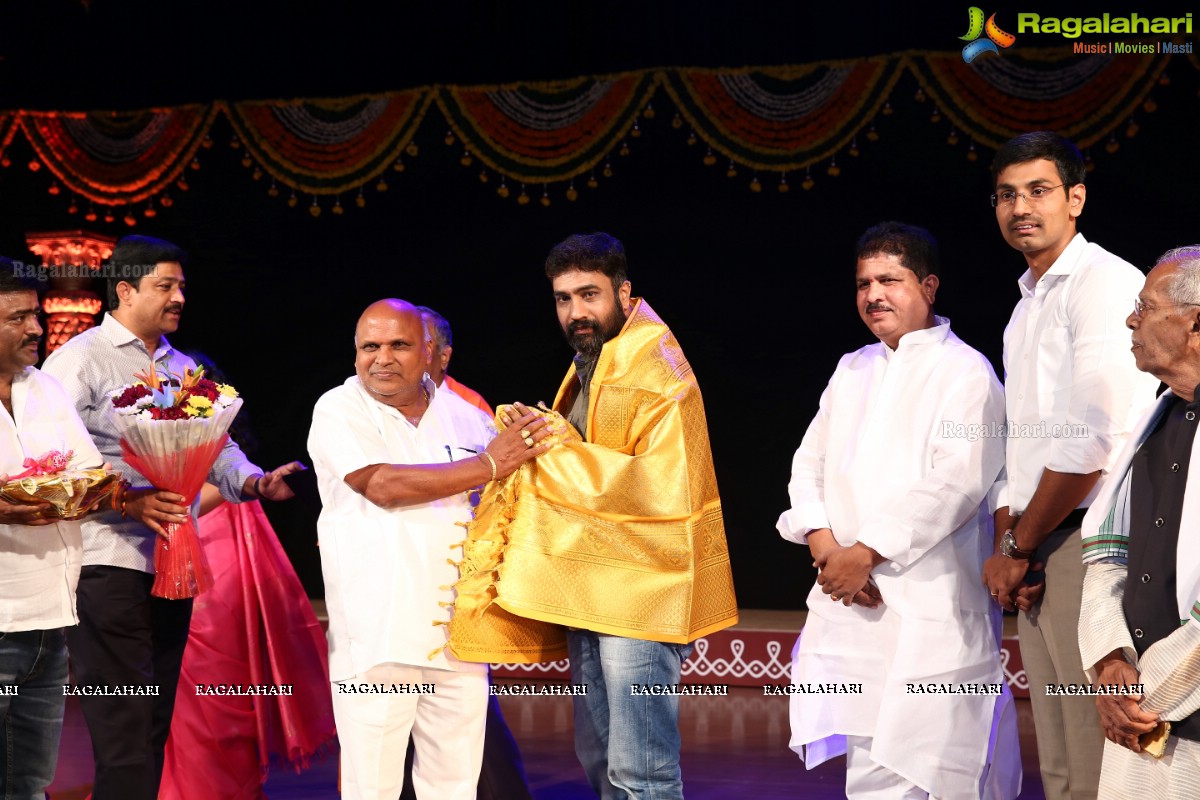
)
(1009, 549)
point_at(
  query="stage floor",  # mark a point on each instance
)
(734, 748)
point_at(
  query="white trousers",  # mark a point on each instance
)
(867, 780)
(446, 726)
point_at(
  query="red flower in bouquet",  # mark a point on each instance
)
(172, 430)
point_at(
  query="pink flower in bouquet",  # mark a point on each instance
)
(172, 430)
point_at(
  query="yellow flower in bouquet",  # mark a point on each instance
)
(198, 406)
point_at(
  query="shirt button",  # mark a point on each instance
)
(1189, 416)
(1158, 523)
(1137, 632)
(1146, 578)
(1174, 468)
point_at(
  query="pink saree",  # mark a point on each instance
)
(254, 627)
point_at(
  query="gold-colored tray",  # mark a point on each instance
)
(71, 493)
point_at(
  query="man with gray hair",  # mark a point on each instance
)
(1139, 628)
(437, 328)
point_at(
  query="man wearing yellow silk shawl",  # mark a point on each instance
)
(617, 532)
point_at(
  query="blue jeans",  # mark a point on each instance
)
(35, 663)
(628, 745)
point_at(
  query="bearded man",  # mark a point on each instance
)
(617, 533)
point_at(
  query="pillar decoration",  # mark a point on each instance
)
(72, 260)
(68, 314)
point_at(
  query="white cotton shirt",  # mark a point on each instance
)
(1071, 386)
(39, 565)
(388, 572)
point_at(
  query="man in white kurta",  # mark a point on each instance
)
(396, 460)
(1140, 620)
(896, 467)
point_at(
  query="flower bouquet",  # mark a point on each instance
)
(172, 430)
(72, 492)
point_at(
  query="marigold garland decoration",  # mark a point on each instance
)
(782, 118)
(331, 145)
(117, 157)
(542, 132)
(1085, 98)
(776, 119)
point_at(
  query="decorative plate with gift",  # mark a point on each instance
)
(71, 492)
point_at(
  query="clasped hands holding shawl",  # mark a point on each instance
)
(621, 534)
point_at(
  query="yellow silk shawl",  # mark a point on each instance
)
(621, 534)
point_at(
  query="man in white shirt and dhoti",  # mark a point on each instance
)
(1139, 629)
(889, 491)
(397, 460)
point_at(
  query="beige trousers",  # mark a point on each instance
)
(1069, 738)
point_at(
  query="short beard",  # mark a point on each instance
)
(589, 345)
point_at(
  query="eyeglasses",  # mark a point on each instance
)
(1140, 309)
(1035, 195)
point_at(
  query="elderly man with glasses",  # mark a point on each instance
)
(1070, 380)
(1139, 630)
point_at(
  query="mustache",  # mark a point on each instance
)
(28, 340)
(178, 307)
(583, 323)
(877, 307)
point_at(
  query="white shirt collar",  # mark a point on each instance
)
(1065, 264)
(932, 335)
(426, 381)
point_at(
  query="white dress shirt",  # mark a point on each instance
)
(91, 367)
(1071, 386)
(39, 565)
(388, 572)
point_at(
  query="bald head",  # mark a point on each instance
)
(381, 310)
(391, 351)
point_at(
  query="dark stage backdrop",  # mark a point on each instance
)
(757, 287)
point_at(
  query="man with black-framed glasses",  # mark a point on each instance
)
(1070, 381)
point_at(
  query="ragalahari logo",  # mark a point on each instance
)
(976, 28)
